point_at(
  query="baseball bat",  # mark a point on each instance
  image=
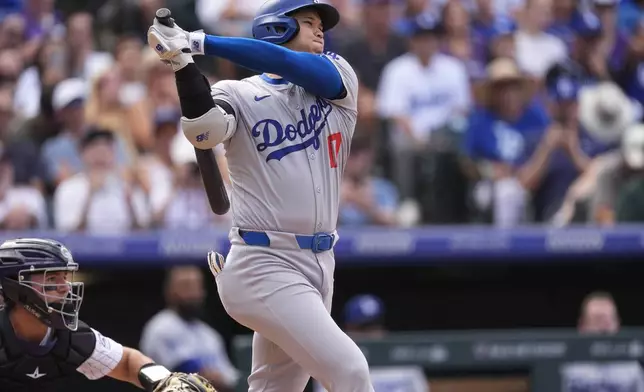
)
(210, 175)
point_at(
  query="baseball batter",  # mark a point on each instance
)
(287, 135)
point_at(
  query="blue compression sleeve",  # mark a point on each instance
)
(316, 74)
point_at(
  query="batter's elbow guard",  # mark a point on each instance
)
(210, 129)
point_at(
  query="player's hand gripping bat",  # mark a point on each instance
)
(210, 175)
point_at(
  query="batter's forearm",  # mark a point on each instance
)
(314, 73)
(194, 92)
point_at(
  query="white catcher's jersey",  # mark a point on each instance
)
(287, 154)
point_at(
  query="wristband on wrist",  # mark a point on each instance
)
(197, 39)
(151, 374)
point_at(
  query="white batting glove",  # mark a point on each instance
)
(174, 45)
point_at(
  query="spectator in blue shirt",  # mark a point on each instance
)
(365, 198)
(631, 76)
(629, 14)
(579, 146)
(563, 12)
(513, 138)
(586, 47)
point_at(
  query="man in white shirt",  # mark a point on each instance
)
(420, 92)
(537, 50)
(177, 339)
(99, 200)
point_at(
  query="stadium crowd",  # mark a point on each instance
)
(496, 111)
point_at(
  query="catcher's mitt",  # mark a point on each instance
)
(182, 382)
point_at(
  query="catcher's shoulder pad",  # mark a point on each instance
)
(79, 344)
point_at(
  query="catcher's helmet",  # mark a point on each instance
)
(274, 23)
(29, 277)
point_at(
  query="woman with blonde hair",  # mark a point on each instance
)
(108, 108)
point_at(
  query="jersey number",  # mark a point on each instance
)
(334, 141)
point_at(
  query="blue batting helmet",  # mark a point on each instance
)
(274, 22)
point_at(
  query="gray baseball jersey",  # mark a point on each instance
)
(286, 158)
(288, 152)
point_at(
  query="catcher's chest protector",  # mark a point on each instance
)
(27, 367)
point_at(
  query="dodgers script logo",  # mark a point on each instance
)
(272, 133)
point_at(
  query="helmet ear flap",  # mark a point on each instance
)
(275, 29)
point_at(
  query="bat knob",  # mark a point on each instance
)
(163, 13)
(164, 16)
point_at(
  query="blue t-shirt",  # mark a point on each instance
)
(560, 175)
(490, 138)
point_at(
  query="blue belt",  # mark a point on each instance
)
(319, 242)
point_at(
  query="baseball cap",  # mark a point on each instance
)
(563, 81)
(501, 26)
(586, 24)
(67, 92)
(426, 23)
(364, 309)
(96, 134)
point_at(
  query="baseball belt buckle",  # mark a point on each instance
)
(322, 242)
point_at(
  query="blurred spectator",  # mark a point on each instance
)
(186, 206)
(12, 32)
(614, 174)
(128, 55)
(512, 139)
(48, 69)
(375, 46)
(22, 153)
(41, 19)
(107, 109)
(119, 17)
(11, 66)
(420, 92)
(628, 203)
(536, 49)
(366, 199)
(599, 316)
(630, 76)
(100, 199)
(458, 40)
(60, 153)
(84, 61)
(583, 140)
(158, 164)
(22, 207)
(586, 50)
(614, 42)
(563, 12)
(501, 40)
(160, 92)
(178, 339)
(227, 17)
(364, 317)
(483, 17)
(629, 14)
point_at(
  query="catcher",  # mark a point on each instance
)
(43, 344)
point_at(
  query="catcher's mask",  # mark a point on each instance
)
(39, 276)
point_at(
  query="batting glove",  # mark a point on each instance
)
(173, 44)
